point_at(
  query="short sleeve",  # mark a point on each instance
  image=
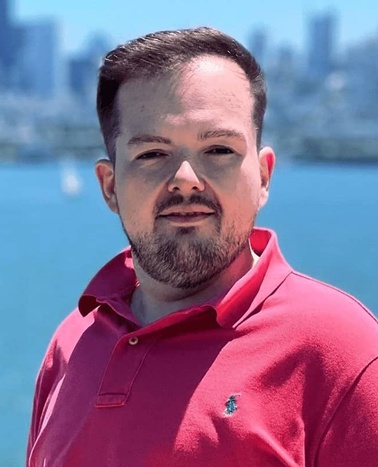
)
(351, 439)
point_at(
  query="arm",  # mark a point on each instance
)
(50, 373)
(36, 415)
(351, 439)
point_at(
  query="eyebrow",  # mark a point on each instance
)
(143, 139)
(203, 136)
(221, 133)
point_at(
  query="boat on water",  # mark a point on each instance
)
(71, 183)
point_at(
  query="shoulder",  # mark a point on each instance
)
(67, 335)
(327, 322)
(321, 320)
(59, 350)
(324, 303)
(333, 339)
(54, 364)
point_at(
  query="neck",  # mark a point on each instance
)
(153, 300)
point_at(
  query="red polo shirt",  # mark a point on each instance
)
(282, 370)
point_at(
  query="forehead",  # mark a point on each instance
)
(207, 87)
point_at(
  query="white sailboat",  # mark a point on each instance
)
(71, 183)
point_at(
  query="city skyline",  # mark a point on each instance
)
(325, 91)
(285, 23)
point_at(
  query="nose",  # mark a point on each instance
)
(185, 180)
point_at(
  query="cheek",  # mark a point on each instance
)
(249, 186)
(136, 201)
(246, 197)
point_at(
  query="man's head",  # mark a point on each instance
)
(160, 53)
(186, 176)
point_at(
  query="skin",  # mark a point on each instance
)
(188, 175)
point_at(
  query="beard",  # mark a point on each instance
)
(186, 259)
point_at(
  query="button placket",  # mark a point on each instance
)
(122, 370)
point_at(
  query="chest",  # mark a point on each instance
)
(214, 399)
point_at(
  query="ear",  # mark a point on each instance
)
(267, 161)
(105, 175)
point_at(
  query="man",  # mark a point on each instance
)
(199, 345)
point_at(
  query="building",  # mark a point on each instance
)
(258, 45)
(39, 59)
(83, 69)
(7, 44)
(321, 45)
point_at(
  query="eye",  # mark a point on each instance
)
(219, 150)
(151, 155)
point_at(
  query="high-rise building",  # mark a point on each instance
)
(361, 66)
(39, 59)
(82, 77)
(321, 46)
(83, 68)
(258, 46)
(4, 32)
(7, 43)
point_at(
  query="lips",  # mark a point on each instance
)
(186, 211)
(185, 215)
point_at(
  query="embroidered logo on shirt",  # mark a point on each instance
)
(231, 405)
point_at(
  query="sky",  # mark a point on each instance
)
(285, 20)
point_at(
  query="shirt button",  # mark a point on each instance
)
(133, 340)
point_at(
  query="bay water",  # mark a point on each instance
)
(326, 218)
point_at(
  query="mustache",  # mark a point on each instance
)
(177, 200)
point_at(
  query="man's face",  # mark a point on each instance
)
(188, 180)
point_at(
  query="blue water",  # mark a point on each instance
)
(326, 218)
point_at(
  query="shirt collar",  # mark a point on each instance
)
(251, 290)
(115, 282)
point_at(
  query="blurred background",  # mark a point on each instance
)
(321, 63)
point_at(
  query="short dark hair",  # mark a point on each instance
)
(161, 52)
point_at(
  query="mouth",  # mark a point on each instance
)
(183, 217)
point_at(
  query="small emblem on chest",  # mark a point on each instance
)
(231, 405)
